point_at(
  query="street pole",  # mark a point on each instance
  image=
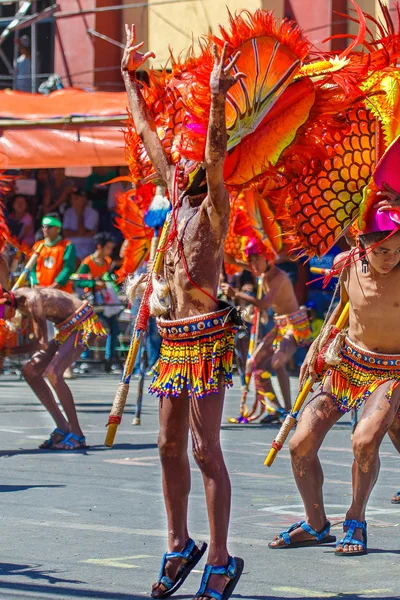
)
(33, 51)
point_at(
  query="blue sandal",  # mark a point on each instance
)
(233, 571)
(190, 560)
(49, 444)
(70, 445)
(321, 537)
(396, 496)
(349, 540)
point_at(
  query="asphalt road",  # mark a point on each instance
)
(92, 524)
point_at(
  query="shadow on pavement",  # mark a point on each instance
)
(86, 451)
(23, 488)
(32, 572)
(32, 590)
(339, 596)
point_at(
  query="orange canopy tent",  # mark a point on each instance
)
(67, 128)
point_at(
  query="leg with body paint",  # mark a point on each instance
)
(261, 365)
(205, 425)
(376, 421)
(67, 353)
(33, 372)
(316, 420)
(173, 446)
(394, 434)
(280, 358)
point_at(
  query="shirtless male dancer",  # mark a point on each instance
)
(368, 373)
(197, 331)
(76, 325)
(292, 327)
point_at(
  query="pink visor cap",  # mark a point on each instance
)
(382, 220)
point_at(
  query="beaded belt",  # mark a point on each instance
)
(194, 327)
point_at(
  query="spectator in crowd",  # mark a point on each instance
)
(56, 262)
(98, 193)
(21, 215)
(56, 189)
(23, 65)
(98, 266)
(80, 223)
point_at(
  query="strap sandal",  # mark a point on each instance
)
(320, 537)
(69, 445)
(189, 561)
(348, 539)
(49, 444)
(233, 571)
(396, 498)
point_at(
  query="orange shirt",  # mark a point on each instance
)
(50, 263)
(96, 270)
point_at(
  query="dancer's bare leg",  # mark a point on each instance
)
(287, 348)
(205, 425)
(316, 420)
(67, 353)
(33, 372)
(377, 418)
(172, 445)
(394, 434)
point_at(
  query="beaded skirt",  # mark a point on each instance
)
(359, 373)
(296, 324)
(196, 354)
(84, 323)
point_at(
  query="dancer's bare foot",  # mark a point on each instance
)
(358, 532)
(55, 437)
(396, 498)
(72, 441)
(301, 534)
(173, 569)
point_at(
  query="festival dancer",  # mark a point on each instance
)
(76, 325)
(292, 328)
(194, 366)
(366, 370)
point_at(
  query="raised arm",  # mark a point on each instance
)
(221, 81)
(144, 123)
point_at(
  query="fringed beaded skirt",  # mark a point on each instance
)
(296, 324)
(84, 323)
(196, 354)
(359, 373)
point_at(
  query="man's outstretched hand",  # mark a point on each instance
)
(222, 78)
(132, 60)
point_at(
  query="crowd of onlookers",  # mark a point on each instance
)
(74, 218)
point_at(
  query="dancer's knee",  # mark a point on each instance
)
(171, 447)
(29, 372)
(54, 376)
(302, 446)
(366, 445)
(207, 454)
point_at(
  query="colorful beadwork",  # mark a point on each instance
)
(195, 353)
(84, 322)
(297, 324)
(359, 373)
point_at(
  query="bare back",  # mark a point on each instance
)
(55, 305)
(277, 283)
(374, 321)
(197, 249)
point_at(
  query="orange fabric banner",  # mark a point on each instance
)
(64, 144)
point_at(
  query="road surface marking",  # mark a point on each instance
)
(117, 562)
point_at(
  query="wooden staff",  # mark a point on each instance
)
(291, 418)
(255, 328)
(143, 358)
(27, 269)
(141, 321)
